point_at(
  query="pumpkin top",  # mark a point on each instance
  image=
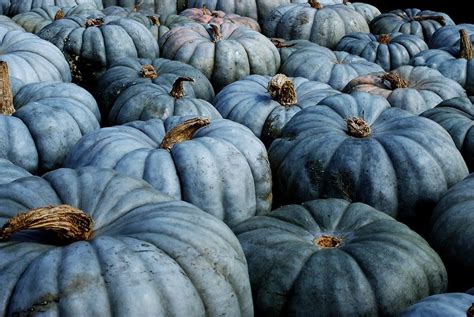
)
(215, 33)
(183, 132)
(6, 97)
(148, 71)
(282, 90)
(395, 80)
(358, 128)
(438, 18)
(69, 223)
(178, 88)
(94, 22)
(59, 15)
(384, 38)
(314, 4)
(328, 242)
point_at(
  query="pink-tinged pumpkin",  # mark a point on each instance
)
(206, 16)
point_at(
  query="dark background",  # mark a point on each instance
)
(457, 10)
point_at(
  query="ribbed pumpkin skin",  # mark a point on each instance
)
(452, 231)
(149, 256)
(200, 15)
(449, 36)
(91, 50)
(148, 101)
(397, 52)
(405, 21)
(246, 8)
(457, 117)
(10, 172)
(427, 87)
(441, 305)
(8, 23)
(223, 170)
(127, 72)
(333, 68)
(402, 168)
(248, 102)
(239, 53)
(50, 118)
(162, 7)
(325, 26)
(23, 6)
(31, 59)
(292, 276)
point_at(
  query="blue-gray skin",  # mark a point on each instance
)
(50, 118)
(128, 72)
(286, 48)
(164, 8)
(422, 23)
(23, 6)
(149, 255)
(336, 69)
(223, 169)
(426, 88)
(148, 101)
(456, 115)
(4, 6)
(31, 59)
(379, 268)
(390, 53)
(249, 102)
(401, 168)
(91, 49)
(449, 36)
(452, 230)
(325, 26)
(10, 172)
(8, 23)
(442, 305)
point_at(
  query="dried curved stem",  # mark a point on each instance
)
(280, 43)
(6, 95)
(183, 132)
(465, 45)
(395, 80)
(178, 88)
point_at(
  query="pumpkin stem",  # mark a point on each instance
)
(94, 22)
(465, 45)
(148, 71)
(438, 18)
(154, 20)
(282, 89)
(215, 32)
(137, 6)
(358, 128)
(470, 311)
(183, 132)
(59, 15)
(394, 79)
(205, 10)
(6, 96)
(328, 242)
(384, 39)
(178, 88)
(67, 222)
(280, 43)
(314, 4)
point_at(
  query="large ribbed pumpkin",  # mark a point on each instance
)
(220, 166)
(330, 257)
(10, 172)
(359, 148)
(104, 244)
(449, 36)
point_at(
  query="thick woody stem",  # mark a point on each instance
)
(328, 242)
(438, 18)
(178, 88)
(67, 222)
(465, 45)
(395, 80)
(183, 132)
(282, 89)
(59, 15)
(148, 71)
(6, 96)
(315, 4)
(358, 128)
(215, 32)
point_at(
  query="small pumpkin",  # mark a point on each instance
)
(415, 89)
(113, 245)
(422, 23)
(387, 50)
(441, 305)
(302, 257)
(219, 166)
(322, 24)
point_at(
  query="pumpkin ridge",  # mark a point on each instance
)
(6, 96)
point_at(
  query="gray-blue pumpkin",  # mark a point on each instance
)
(265, 104)
(8, 23)
(359, 148)
(22, 6)
(330, 257)
(442, 305)
(10, 172)
(220, 166)
(449, 36)
(164, 8)
(336, 68)
(387, 50)
(412, 88)
(456, 115)
(129, 250)
(43, 121)
(422, 23)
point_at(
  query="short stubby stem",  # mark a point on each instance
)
(358, 128)
(148, 71)
(282, 90)
(328, 242)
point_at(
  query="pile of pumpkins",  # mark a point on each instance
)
(235, 157)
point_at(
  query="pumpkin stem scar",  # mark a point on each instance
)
(215, 33)
(395, 80)
(68, 223)
(6, 96)
(94, 22)
(470, 311)
(358, 128)
(59, 15)
(148, 71)
(280, 43)
(465, 45)
(438, 18)
(328, 242)
(282, 89)
(178, 87)
(315, 4)
(183, 132)
(384, 39)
